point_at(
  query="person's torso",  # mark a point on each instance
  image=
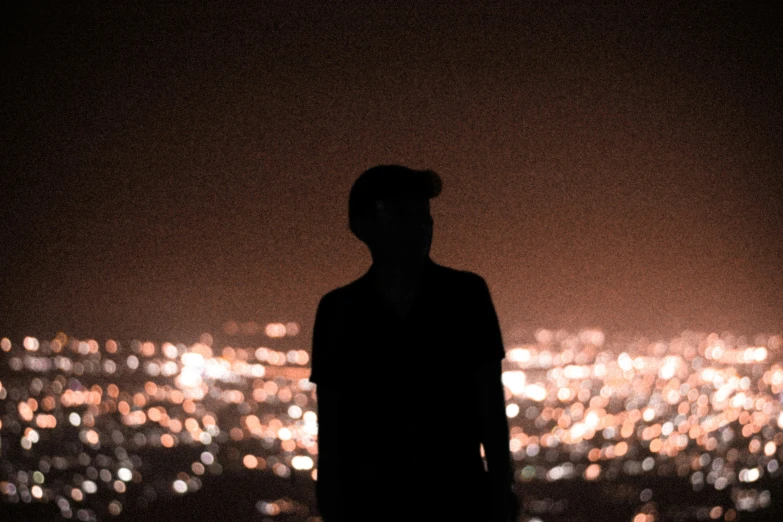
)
(407, 388)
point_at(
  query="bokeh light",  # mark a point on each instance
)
(701, 408)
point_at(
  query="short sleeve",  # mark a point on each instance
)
(486, 333)
(322, 341)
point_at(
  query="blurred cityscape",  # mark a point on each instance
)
(602, 427)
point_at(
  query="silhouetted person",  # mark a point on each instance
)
(407, 362)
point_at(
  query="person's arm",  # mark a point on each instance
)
(494, 437)
(494, 430)
(328, 486)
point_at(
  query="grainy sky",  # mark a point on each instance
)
(168, 167)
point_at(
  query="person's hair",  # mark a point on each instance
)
(385, 182)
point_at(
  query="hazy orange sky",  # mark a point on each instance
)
(167, 168)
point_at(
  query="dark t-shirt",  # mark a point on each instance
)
(408, 416)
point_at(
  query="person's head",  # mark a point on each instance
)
(389, 210)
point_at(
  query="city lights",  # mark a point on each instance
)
(701, 408)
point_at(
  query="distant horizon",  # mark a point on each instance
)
(520, 336)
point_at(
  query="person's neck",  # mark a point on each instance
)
(387, 271)
(397, 283)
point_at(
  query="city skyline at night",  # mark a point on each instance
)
(101, 431)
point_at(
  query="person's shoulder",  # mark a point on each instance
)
(460, 278)
(343, 294)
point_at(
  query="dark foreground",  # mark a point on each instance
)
(263, 497)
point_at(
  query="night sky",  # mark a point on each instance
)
(166, 168)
